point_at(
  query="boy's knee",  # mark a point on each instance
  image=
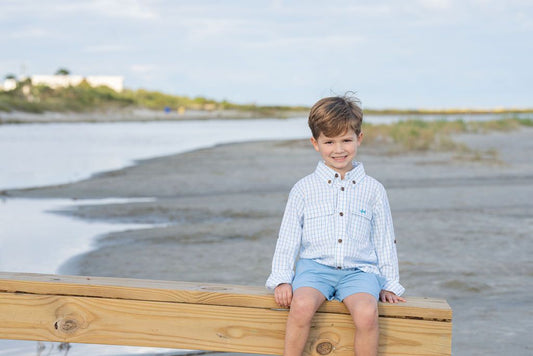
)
(303, 308)
(364, 312)
(366, 317)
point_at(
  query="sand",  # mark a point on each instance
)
(463, 224)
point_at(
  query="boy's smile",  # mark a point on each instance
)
(338, 152)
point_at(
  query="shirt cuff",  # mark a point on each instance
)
(279, 278)
(395, 287)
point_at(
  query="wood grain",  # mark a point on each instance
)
(123, 321)
(196, 293)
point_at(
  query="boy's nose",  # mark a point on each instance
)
(338, 148)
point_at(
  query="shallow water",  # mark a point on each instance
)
(43, 154)
(33, 239)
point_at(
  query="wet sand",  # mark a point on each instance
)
(463, 225)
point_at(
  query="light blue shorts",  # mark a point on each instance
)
(336, 283)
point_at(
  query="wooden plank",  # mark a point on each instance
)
(199, 326)
(205, 293)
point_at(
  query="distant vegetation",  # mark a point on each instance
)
(418, 135)
(84, 98)
(39, 98)
(62, 71)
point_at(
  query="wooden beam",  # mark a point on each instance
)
(133, 312)
(197, 293)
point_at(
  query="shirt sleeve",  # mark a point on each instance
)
(382, 235)
(289, 240)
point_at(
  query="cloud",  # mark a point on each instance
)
(435, 4)
(127, 9)
(106, 48)
(142, 68)
(29, 32)
(317, 43)
(199, 29)
(146, 73)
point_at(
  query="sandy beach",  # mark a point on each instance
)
(463, 225)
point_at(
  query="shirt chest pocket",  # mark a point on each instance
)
(316, 211)
(360, 222)
(318, 222)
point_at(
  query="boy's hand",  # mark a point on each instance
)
(283, 295)
(389, 297)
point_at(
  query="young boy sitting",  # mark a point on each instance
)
(338, 222)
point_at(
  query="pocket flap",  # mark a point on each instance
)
(318, 210)
(361, 210)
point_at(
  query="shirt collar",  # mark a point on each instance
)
(356, 174)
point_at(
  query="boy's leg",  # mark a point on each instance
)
(364, 310)
(305, 302)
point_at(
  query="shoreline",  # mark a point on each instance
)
(137, 115)
(220, 209)
(148, 115)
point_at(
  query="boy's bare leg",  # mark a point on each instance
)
(364, 310)
(305, 302)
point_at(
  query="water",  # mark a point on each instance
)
(43, 154)
(34, 240)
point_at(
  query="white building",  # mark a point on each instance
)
(60, 81)
(114, 82)
(56, 81)
(9, 84)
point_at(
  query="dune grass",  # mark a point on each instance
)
(418, 135)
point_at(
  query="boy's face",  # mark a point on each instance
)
(338, 152)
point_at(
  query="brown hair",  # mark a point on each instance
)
(335, 115)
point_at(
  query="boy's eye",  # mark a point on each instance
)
(348, 140)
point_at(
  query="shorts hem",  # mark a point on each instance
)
(314, 287)
(346, 295)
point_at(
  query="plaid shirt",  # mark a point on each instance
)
(343, 223)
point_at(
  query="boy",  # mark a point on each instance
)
(338, 222)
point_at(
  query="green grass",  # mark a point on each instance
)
(418, 135)
(84, 98)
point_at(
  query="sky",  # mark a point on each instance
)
(392, 54)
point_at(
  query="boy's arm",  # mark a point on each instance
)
(382, 235)
(288, 244)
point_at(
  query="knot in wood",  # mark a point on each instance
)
(67, 326)
(324, 348)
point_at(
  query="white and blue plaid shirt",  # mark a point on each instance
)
(343, 223)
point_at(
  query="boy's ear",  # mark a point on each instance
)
(360, 138)
(315, 143)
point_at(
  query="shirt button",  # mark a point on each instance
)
(340, 240)
(342, 189)
(339, 267)
(329, 181)
(353, 181)
(336, 175)
(341, 213)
